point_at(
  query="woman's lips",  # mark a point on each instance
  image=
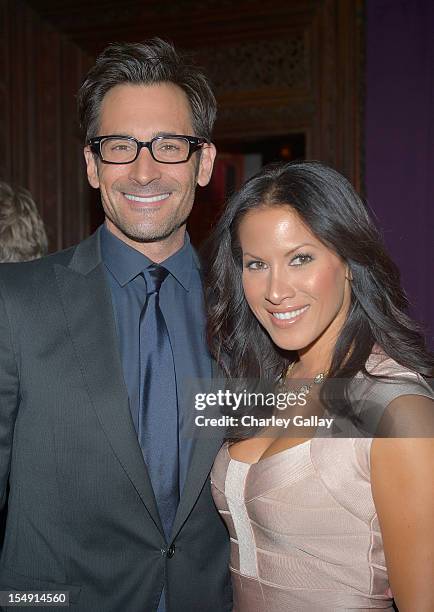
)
(286, 318)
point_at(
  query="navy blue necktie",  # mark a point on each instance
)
(158, 416)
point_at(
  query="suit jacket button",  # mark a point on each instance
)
(170, 551)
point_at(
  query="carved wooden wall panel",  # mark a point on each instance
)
(41, 145)
(307, 79)
(5, 140)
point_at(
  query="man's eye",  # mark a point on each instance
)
(121, 146)
(255, 265)
(168, 147)
(301, 259)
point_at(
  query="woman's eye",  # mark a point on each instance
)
(255, 265)
(301, 259)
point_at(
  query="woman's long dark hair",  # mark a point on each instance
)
(330, 207)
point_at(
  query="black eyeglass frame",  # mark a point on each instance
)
(195, 143)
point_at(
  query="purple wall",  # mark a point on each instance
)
(400, 141)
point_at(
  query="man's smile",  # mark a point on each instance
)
(147, 199)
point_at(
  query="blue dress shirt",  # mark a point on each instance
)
(181, 301)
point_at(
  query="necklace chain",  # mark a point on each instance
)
(305, 389)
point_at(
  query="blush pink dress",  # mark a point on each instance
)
(303, 526)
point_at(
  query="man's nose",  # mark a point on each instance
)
(144, 169)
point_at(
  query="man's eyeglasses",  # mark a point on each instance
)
(175, 149)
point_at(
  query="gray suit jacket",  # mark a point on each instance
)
(82, 516)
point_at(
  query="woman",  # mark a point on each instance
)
(299, 287)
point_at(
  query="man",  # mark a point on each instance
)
(22, 233)
(109, 500)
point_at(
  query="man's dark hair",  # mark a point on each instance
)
(148, 63)
(22, 233)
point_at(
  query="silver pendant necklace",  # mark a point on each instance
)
(305, 389)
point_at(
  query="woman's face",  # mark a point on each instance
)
(296, 287)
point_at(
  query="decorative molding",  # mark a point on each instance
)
(262, 120)
(256, 65)
(196, 6)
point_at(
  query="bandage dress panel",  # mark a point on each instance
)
(304, 530)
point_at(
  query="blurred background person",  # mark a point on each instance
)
(22, 232)
(22, 238)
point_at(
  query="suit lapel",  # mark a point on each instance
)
(203, 454)
(88, 309)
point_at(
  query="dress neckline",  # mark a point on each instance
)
(265, 459)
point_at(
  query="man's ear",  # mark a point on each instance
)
(348, 273)
(207, 157)
(92, 170)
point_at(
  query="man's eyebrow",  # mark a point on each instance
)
(154, 135)
(164, 134)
